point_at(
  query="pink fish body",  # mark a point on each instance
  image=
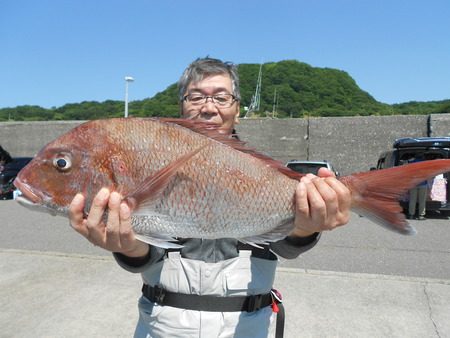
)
(183, 179)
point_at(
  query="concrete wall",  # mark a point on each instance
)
(354, 143)
(351, 143)
(27, 138)
(440, 125)
(284, 139)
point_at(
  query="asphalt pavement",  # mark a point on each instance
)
(65, 293)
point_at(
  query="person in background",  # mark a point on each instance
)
(211, 288)
(5, 158)
(418, 196)
(438, 189)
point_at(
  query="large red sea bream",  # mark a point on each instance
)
(183, 179)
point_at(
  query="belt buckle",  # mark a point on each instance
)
(158, 294)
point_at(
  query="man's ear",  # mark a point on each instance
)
(238, 112)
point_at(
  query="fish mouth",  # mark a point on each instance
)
(27, 192)
(35, 201)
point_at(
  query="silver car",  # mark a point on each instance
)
(306, 167)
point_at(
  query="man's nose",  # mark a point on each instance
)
(209, 107)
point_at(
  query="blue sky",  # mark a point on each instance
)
(68, 51)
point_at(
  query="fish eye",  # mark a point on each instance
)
(62, 163)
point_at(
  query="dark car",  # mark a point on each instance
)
(8, 174)
(405, 148)
(429, 148)
(306, 167)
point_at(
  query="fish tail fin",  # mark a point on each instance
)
(376, 194)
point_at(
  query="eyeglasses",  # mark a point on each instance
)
(220, 100)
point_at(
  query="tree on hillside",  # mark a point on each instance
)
(301, 91)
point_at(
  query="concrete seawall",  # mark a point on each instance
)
(351, 143)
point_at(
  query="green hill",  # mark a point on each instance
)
(301, 91)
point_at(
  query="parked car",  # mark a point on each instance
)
(8, 174)
(404, 149)
(306, 167)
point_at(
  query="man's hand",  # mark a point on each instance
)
(322, 203)
(117, 234)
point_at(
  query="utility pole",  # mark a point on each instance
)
(128, 79)
(275, 104)
(254, 104)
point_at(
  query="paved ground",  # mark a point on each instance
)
(361, 246)
(68, 295)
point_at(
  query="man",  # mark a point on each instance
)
(211, 288)
(418, 196)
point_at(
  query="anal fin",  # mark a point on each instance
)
(161, 242)
(280, 232)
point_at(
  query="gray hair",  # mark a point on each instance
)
(203, 67)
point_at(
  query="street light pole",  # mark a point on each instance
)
(127, 80)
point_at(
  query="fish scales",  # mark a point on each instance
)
(199, 198)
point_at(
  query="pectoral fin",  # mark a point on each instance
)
(151, 188)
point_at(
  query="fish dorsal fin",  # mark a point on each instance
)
(211, 130)
(152, 187)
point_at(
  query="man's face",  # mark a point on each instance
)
(208, 111)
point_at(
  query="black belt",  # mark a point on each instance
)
(253, 303)
(161, 296)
